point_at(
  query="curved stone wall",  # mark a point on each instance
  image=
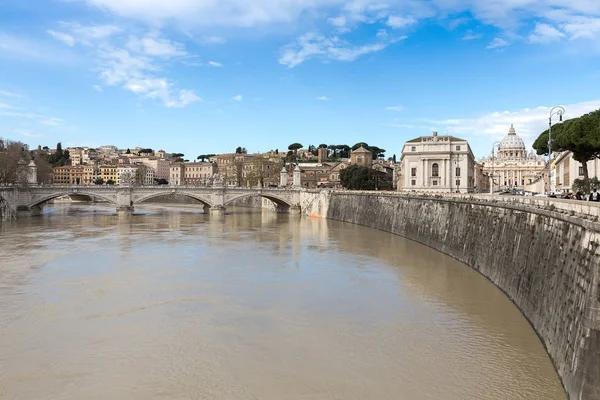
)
(547, 262)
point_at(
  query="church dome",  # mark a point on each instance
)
(512, 141)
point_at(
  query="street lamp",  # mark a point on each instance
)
(556, 110)
(494, 162)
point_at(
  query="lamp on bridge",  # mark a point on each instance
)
(556, 110)
(492, 180)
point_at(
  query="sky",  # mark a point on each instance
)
(207, 76)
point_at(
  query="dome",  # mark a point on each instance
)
(512, 141)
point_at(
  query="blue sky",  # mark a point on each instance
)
(206, 76)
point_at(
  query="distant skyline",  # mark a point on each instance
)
(199, 76)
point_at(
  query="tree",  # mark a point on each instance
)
(98, 181)
(276, 151)
(202, 157)
(110, 182)
(344, 151)
(312, 150)
(162, 181)
(581, 136)
(60, 157)
(295, 147)
(394, 159)
(128, 151)
(357, 177)
(177, 157)
(581, 185)
(14, 158)
(44, 169)
(238, 150)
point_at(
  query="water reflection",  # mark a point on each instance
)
(173, 303)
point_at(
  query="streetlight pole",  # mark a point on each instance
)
(493, 162)
(556, 110)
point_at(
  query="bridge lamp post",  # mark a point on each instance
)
(556, 110)
(494, 162)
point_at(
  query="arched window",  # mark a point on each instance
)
(435, 170)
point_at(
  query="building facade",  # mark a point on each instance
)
(514, 168)
(361, 156)
(566, 170)
(437, 164)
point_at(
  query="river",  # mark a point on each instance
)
(174, 304)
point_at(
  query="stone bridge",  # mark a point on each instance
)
(27, 201)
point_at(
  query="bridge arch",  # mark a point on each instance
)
(279, 201)
(200, 198)
(41, 200)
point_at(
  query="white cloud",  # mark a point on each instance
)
(395, 108)
(27, 133)
(323, 98)
(405, 126)
(215, 64)
(22, 48)
(63, 37)
(214, 40)
(10, 94)
(90, 34)
(337, 21)
(136, 74)
(396, 21)
(544, 33)
(313, 45)
(382, 34)
(528, 122)
(580, 27)
(237, 98)
(496, 43)
(98, 88)
(5, 106)
(52, 121)
(470, 35)
(156, 47)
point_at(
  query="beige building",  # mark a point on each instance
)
(176, 174)
(437, 164)
(198, 173)
(361, 156)
(108, 172)
(566, 170)
(513, 167)
(160, 166)
(248, 169)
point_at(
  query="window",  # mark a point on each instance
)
(434, 183)
(413, 148)
(580, 171)
(435, 170)
(413, 172)
(457, 148)
(413, 182)
(457, 171)
(457, 182)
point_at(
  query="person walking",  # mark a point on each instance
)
(595, 196)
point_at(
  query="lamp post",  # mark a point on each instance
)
(556, 110)
(494, 162)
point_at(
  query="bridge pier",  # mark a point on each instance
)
(25, 212)
(217, 210)
(125, 210)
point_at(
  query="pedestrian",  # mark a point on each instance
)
(595, 196)
(579, 195)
